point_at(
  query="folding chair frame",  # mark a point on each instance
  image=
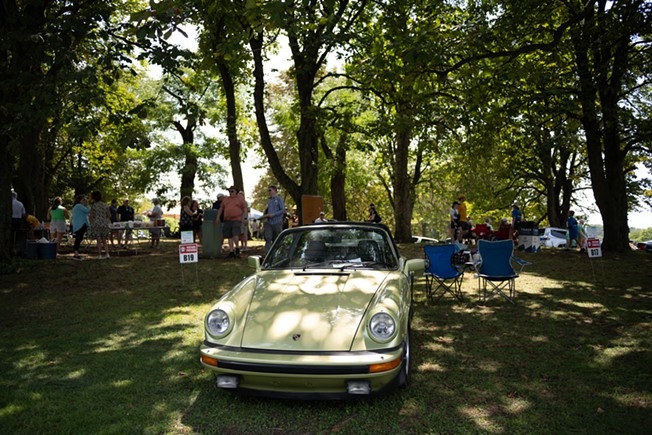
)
(437, 284)
(453, 286)
(498, 285)
(488, 285)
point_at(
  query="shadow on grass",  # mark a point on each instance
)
(112, 346)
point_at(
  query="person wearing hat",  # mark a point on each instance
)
(218, 203)
(517, 217)
(321, 218)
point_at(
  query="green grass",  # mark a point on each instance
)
(112, 347)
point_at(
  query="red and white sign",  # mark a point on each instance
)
(593, 248)
(188, 253)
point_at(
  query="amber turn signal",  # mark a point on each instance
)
(208, 360)
(377, 368)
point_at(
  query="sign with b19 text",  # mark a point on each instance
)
(593, 248)
(188, 253)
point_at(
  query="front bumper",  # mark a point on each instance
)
(304, 374)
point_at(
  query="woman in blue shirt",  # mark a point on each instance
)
(80, 223)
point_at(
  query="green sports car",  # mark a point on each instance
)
(327, 314)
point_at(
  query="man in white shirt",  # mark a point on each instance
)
(18, 213)
(321, 218)
(18, 225)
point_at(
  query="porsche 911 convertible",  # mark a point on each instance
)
(326, 315)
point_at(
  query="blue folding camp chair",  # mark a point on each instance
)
(442, 276)
(496, 269)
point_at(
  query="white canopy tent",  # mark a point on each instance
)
(255, 214)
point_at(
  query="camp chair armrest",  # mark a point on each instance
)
(520, 262)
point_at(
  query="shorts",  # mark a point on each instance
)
(465, 225)
(58, 226)
(231, 229)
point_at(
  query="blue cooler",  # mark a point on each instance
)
(47, 251)
(32, 250)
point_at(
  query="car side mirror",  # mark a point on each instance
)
(254, 262)
(415, 266)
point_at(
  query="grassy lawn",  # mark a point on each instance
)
(111, 346)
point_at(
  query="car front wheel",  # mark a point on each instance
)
(406, 366)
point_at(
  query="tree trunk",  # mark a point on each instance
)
(256, 45)
(307, 138)
(5, 199)
(600, 83)
(189, 170)
(403, 188)
(231, 124)
(31, 175)
(338, 181)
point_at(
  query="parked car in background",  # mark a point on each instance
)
(326, 314)
(645, 246)
(422, 239)
(552, 237)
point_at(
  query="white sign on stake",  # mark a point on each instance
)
(188, 253)
(593, 248)
(187, 237)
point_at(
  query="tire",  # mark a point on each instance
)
(406, 366)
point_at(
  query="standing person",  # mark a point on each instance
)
(126, 213)
(197, 219)
(517, 217)
(582, 237)
(255, 229)
(244, 237)
(294, 219)
(18, 213)
(286, 219)
(57, 215)
(321, 218)
(464, 220)
(155, 214)
(99, 218)
(18, 225)
(80, 223)
(113, 209)
(233, 209)
(373, 214)
(454, 221)
(218, 203)
(274, 213)
(186, 215)
(573, 230)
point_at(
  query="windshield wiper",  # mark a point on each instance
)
(348, 264)
(312, 265)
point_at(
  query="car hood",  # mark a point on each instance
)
(308, 311)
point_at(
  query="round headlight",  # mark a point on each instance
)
(217, 322)
(382, 326)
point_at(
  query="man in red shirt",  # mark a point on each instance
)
(232, 210)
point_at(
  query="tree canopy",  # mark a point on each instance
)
(404, 104)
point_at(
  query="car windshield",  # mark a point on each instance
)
(342, 247)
